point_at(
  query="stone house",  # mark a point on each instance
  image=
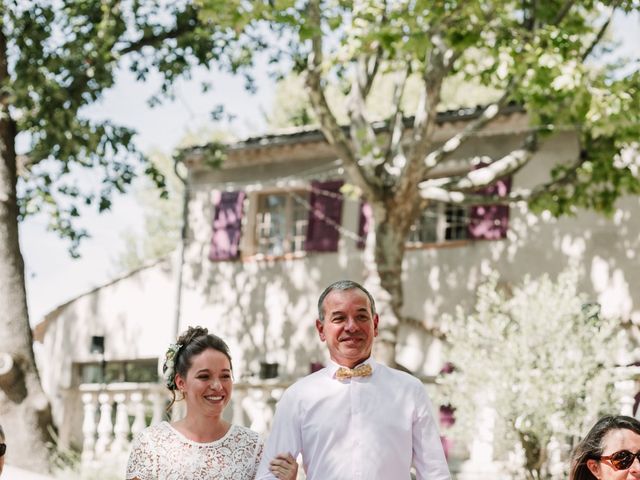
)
(267, 231)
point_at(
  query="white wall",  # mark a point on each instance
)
(266, 309)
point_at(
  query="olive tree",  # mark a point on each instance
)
(542, 358)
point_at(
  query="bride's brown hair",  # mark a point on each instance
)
(193, 342)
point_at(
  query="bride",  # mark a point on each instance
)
(202, 445)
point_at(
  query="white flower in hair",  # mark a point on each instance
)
(168, 370)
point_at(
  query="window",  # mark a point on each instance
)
(277, 223)
(136, 371)
(281, 223)
(440, 223)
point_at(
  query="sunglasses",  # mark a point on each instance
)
(3, 449)
(622, 460)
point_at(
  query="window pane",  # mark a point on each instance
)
(90, 373)
(141, 372)
(299, 221)
(114, 372)
(281, 223)
(271, 224)
(425, 230)
(457, 220)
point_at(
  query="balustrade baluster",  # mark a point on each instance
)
(105, 426)
(237, 401)
(139, 422)
(121, 428)
(157, 400)
(89, 427)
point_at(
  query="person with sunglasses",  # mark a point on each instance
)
(610, 451)
(3, 449)
(202, 445)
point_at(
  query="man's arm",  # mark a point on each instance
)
(428, 454)
(284, 436)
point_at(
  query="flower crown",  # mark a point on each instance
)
(169, 367)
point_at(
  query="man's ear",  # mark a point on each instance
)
(375, 325)
(320, 328)
(594, 467)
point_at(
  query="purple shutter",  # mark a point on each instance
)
(325, 213)
(490, 222)
(364, 224)
(227, 226)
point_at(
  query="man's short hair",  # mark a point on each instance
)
(343, 285)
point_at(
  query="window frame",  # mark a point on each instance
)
(441, 225)
(251, 247)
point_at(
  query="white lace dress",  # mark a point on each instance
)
(161, 452)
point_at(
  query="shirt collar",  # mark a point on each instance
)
(332, 367)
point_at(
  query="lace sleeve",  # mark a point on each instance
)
(142, 462)
(259, 451)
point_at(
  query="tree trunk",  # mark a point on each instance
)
(24, 409)
(384, 253)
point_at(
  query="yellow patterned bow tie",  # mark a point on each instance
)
(360, 371)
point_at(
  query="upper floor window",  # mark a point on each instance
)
(439, 223)
(277, 222)
(281, 223)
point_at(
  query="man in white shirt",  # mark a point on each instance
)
(356, 419)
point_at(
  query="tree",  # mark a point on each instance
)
(163, 216)
(545, 57)
(292, 106)
(536, 355)
(161, 223)
(55, 59)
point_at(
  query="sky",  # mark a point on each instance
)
(52, 276)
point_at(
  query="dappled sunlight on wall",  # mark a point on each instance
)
(611, 288)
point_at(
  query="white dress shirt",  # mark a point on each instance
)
(362, 428)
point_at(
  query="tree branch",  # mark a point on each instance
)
(563, 11)
(394, 145)
(439, 194)
(489, 113)
(367, 68)
(334, 134)
(444, 193)
(433, 76)
(483, 177)
(601, 32)
(155, 40)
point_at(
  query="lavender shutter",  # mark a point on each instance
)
(227, 226)
(364, 224)
(490, 222)
(325, 213)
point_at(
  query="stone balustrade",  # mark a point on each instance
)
(115, 413)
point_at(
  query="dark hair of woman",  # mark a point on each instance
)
(191, 343)
(591, 447)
